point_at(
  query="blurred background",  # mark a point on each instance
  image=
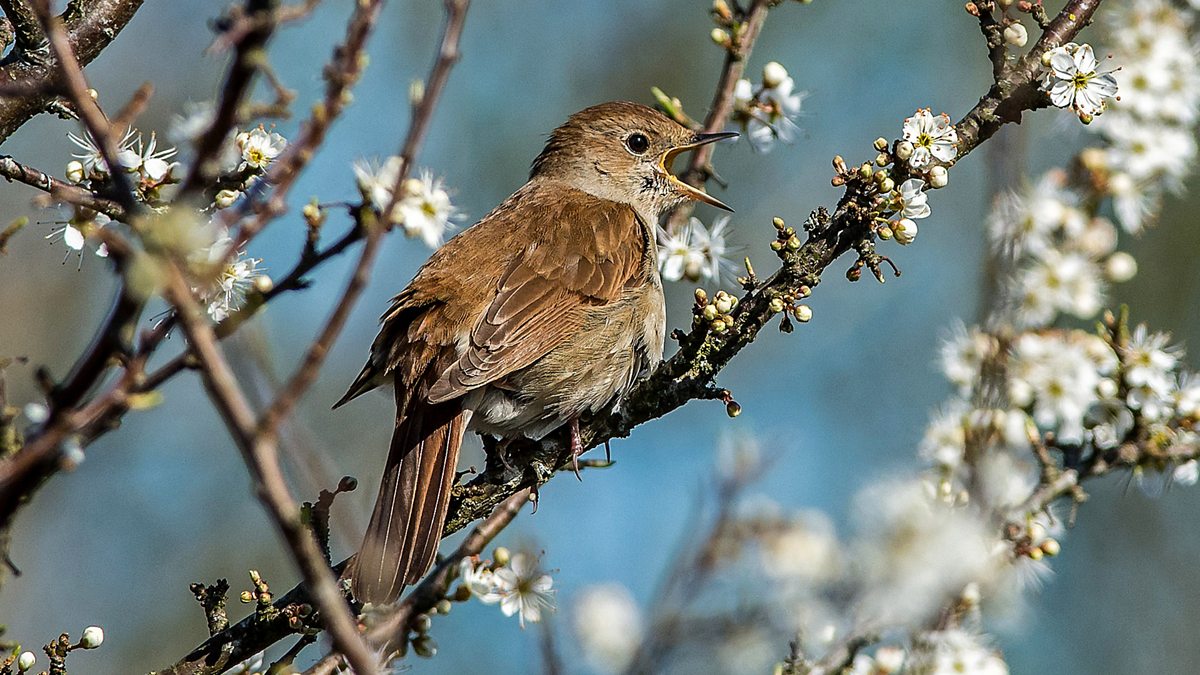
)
(165, 500)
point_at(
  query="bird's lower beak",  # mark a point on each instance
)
(687, 190)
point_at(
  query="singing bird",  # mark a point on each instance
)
(549, 308)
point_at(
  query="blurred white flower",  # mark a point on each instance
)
(197, 116)
(1186, 473)
(914, 553)
(801, 549)
(963, 353)
(609, 626)
(945, 436)
(768, 114)
(1149, 361)
(1056, 380)
(933, 137)
(953, 652)
(694, 253)
(523, 589)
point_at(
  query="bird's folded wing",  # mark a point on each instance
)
(584, 254)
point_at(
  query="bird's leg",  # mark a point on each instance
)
(576, 446)
(607, 451)
(502, 453)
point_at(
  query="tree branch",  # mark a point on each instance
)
(90, 27)
(262, 460)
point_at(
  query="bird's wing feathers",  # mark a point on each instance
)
(582, 253)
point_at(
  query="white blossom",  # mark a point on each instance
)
(258, 148)
(1149, 361)
(226, 292)
(933, 138)
(76, 232)
(1071, 80)
(92, 158)
(914, 203)
(479, 579)
(523, 589)
(425, 211)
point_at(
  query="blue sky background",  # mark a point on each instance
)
(165, 500)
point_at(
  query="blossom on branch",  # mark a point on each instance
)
(767, 113)
(1071, 80)
(933, 139)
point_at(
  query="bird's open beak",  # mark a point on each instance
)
(685, 189)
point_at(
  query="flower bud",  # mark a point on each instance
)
(718, 326)
(1051, 547)
(776, 305)
(904, 150)
(723, 304)
(884, 232)
(774, 74)
(25, 661)
(803, 313)
(502, 555)
(938, 177)
(710, 312)
(905, 231)
(425, 647)
(881, 144)
(1120, 267)
(263, 284)
(225, 198)
(75, 175)
(720, 37)
(887, 185)
(1016, 35)
(93, 636)
(883, 159)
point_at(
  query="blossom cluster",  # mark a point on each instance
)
(1150, 129)
(424, 208)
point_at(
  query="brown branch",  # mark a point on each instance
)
(12, 170)
(249, 52)
(391, 633)
(90, 27)
(30, 40)
(736, 55)
(261, 456)
(77, 90)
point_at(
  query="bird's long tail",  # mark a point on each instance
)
(402, 539)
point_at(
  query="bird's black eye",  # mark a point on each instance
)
(637, 143)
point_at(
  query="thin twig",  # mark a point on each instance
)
(263, 462)
(59, 189)
(736, 55)
(389, 634)
(85, 106)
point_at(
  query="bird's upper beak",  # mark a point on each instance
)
(685, 189)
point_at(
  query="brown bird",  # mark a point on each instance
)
(549, 308)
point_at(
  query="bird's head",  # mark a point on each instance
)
(623, 151)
